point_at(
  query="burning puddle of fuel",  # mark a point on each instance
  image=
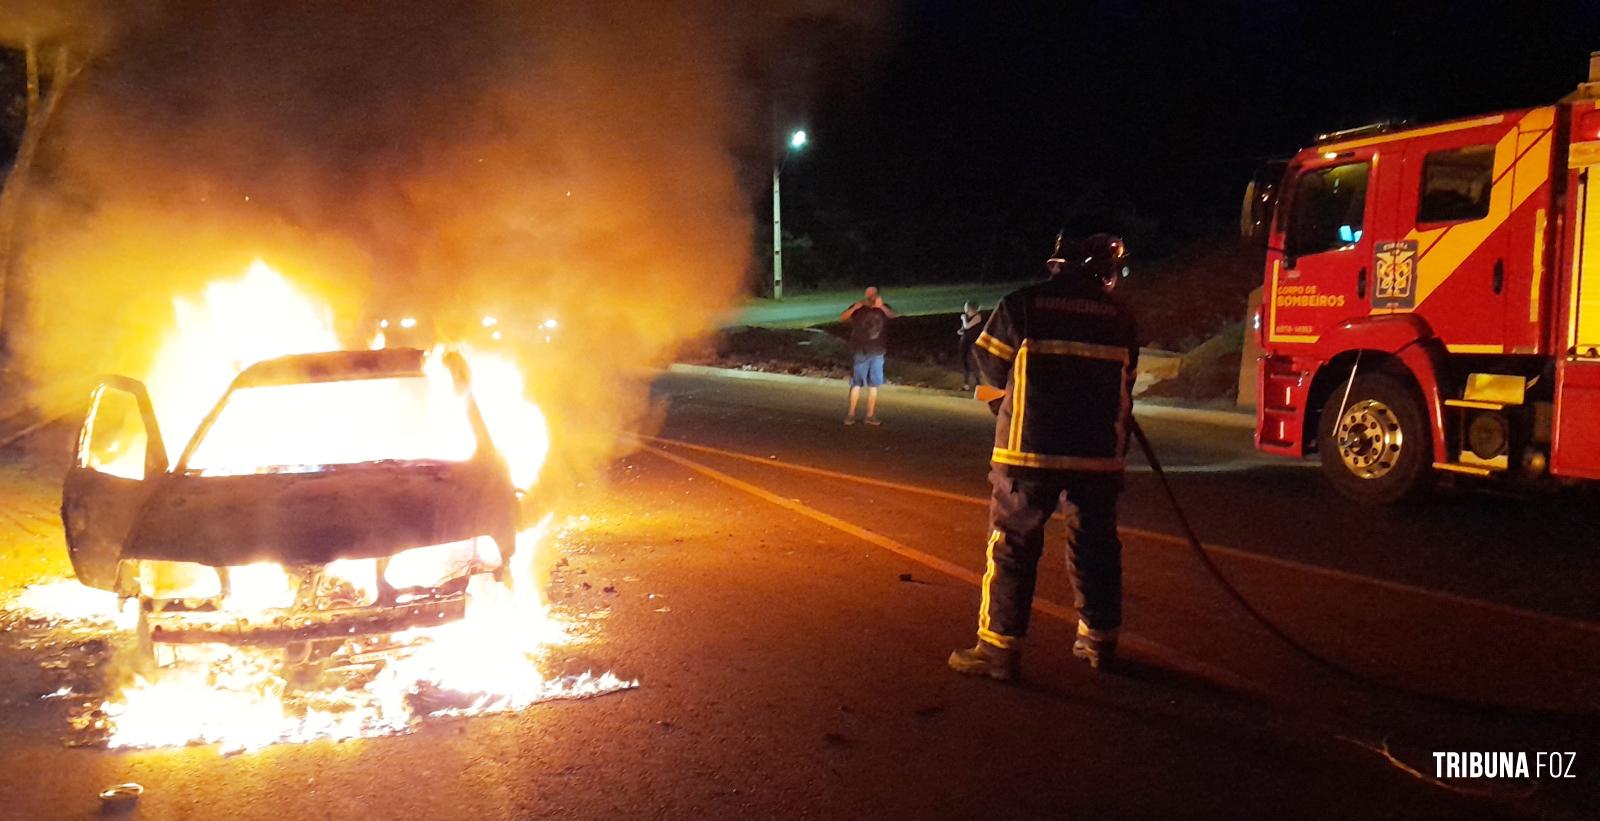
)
(240, 699)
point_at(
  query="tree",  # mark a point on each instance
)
(55, 38)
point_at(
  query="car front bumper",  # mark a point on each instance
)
(277, 627)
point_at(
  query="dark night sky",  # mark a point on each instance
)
(984, 126)
(976, 129)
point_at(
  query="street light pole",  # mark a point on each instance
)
(777, 233)
(797, 141)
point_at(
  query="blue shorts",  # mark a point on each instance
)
(868, 371)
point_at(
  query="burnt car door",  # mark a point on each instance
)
(118, 460)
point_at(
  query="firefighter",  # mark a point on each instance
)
(1064, 351)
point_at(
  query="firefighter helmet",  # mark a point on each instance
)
(1104, 257)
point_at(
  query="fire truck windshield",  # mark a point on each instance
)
(1329, 204)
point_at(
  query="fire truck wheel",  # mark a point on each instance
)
(1375, 445)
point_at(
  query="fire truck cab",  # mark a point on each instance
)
(1431, 300)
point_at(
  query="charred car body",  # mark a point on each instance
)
(326, 497)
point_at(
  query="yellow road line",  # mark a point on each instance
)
(1169, 539)
(1040, 604)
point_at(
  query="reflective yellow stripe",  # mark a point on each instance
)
(1099, 464)
(991, 637)
(1019, 396)
(1124, 410)
(1087, 350)
(1534, 293)
(996, 347)
(984, 632)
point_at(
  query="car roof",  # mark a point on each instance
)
(332, 366)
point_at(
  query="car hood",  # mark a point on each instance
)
(356, 511)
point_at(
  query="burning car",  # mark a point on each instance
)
(326, 499)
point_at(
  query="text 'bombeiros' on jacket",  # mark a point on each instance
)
(1066, 352)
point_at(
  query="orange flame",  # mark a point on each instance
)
(236, 697)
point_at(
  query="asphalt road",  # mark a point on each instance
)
(787, 589)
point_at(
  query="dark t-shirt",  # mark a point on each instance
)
(969, 333)
(869, 331)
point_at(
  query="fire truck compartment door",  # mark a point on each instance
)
(1575, 446)
(118, 459)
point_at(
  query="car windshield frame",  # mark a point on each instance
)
(339, 367)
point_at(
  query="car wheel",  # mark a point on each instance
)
(1375, 444)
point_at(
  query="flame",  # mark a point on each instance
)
(236, 323)
(260, 316)
(515, 423)
(487, 662)
(238, 697)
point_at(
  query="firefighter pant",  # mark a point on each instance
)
(1018, 511)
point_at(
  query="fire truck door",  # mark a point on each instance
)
(1321, 263)
(1575, 446)
(1449, 261)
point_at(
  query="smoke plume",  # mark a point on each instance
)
(568, 160)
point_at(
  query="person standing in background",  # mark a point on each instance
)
(971, 326)
(869, 336)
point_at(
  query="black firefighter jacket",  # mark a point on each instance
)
(1065, 352)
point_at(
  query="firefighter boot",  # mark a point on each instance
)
(1098, 647)
(998, 663)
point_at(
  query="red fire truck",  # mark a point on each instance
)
(1431, 301)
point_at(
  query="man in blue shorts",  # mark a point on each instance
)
(869, 335)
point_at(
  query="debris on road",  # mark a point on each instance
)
(122, 793)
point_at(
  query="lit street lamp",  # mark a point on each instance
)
(797, 141)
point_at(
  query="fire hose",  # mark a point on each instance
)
(1300, 648)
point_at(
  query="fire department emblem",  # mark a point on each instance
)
(1395, 266)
